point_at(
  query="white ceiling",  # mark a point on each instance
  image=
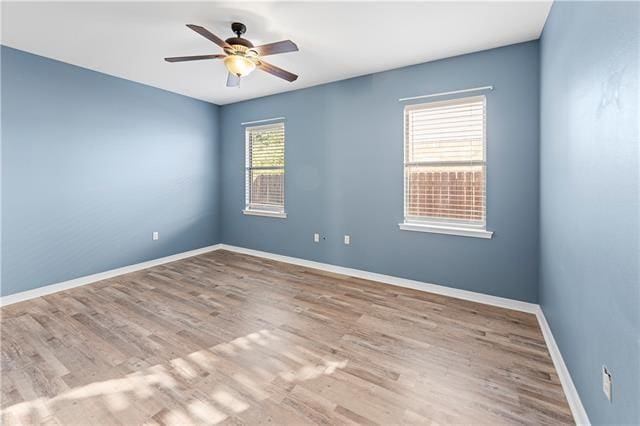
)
(337, 40)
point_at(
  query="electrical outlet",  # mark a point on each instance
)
(316, 238)
(156, 236)
(606, 382)
(347, 239)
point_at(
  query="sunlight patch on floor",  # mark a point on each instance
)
(173, 379)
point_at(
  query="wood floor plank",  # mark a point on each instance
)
(226, 338)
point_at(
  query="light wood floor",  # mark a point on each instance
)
(229, 338)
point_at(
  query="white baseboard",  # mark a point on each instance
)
(577, 409)
(88, 279)
(399, 282)
(570, 391)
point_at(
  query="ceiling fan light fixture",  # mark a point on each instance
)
(239, 65)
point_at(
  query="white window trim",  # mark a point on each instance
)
(267, 211)
(441, 226)
(448, 230)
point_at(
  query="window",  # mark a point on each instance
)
(264, 191)
(445, 167)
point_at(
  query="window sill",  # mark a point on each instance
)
(266, 213)
(448, 230)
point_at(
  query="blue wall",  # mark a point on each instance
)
(92, 165)
(344, 175)
(590, 257)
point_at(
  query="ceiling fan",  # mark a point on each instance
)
(241, 56)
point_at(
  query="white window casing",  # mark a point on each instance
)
(264, 170)
(445, 167)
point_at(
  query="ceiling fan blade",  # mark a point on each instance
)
(193, 58)
(278, 72)
(283, 46)
(210, 36)
(233, 80)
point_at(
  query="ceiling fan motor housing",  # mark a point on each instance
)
(239, 41)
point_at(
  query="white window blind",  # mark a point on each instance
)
(445, 168)
(264, 190)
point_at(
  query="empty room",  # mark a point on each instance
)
(297, 213)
